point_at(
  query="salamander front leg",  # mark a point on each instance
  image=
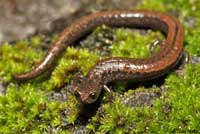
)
(110, 96)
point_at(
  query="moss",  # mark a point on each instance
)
(26, 108)
(130, 92)
(117, 118)
(17, 58)
(182, 102)
(72, 61)
(192, 42)
(126, 40)
(36, 41)
(29, 110)
(187, 12)
(152, 5)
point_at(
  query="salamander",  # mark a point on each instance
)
(89, 87)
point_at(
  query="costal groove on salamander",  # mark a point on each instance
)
(118, 68)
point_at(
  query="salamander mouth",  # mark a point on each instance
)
(87, 99)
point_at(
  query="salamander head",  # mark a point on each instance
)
(86, 90)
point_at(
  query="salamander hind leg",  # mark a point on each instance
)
(154, 46)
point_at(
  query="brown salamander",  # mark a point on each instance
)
(117, 68)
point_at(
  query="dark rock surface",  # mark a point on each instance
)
(141, 99)
(20, 18)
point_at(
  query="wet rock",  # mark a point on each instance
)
(2, 89)
(61, 95)
(20, 18)
(100, 41)
(80, 130)
(195, 60)
(141, 99)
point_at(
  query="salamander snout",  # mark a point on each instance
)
(85, 89)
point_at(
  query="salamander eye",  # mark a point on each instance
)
(78, 81)
(93, 95)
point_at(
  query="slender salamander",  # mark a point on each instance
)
(89, 87)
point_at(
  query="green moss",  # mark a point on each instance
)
(36, 41)
(183, 103)
(117, 119)
(17, 58)
(192, 42)
(185, 8)
(26, 108)
(130, 92)
(152, 5)
(131, 44)
(72, 61)
(188, 14)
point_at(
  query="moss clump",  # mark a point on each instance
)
(187, 12)
(152, 5)
(72, 61)
(184, 100)
(17, 58)
(117, 118)
(192, 42)
(177, 111)
(26, 108)
(131, 44)
(189, 15)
